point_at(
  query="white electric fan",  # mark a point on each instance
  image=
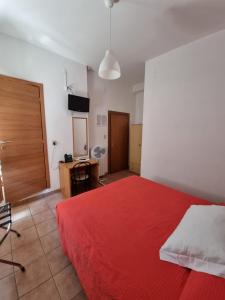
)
(98, 152)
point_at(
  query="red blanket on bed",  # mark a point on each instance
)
(112, 236)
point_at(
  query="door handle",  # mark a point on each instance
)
(3, 142)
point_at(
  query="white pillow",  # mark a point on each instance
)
(198, 242)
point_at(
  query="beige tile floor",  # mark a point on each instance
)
(49, 275)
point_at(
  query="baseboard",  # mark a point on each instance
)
(35, 198)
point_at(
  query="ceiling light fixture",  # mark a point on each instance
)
(109, 68)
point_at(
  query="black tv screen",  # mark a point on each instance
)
(77, 103)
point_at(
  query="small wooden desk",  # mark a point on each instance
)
(65, 175)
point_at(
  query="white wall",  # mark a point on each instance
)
(139, 102)
(138, 90)
(22, 60)
(184, 118)
(104, 96)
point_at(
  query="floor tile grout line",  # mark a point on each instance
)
(44, 221)
(51, 277)
(35, 225)
(62, 271)
(35, 288)
(51, 274)
(6, 254)
(44, 254)
(14, 273)
(29, 263)
(57, 288)
(46, 233)
(10, 252)
(38, 237)
(19, 297)
(17, 292)
(10, 274)
(27, 242)
(49, 266)
(23, 245)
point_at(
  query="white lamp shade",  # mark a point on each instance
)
(109, 67)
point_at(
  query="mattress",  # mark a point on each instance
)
(112, 236)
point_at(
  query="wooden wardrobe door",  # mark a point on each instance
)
(135, 147)
(118, 141)
(22, 122)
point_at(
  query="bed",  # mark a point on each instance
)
(112, 236)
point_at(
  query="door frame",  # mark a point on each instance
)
(44, 138)
(110, 113)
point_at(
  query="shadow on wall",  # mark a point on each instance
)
(189, 190)
(200, 17)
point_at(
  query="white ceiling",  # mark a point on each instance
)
(141, 29)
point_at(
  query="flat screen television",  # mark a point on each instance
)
(77, 103)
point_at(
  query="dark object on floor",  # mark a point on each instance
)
(81, 178)
(6, 223)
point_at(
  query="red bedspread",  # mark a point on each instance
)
(112, 236)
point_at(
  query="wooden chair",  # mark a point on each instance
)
(81, 177)
(6, 223)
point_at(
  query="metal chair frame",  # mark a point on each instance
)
(6, 221)
(77, 172)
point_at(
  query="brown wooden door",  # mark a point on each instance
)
(118, 141)
(22, 122)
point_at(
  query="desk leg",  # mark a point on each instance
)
(95, 174)
(65, 181)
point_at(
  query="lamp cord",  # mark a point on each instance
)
(110, 28)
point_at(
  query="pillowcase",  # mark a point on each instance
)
(198, 242)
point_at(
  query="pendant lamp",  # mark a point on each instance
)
(109, 68)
